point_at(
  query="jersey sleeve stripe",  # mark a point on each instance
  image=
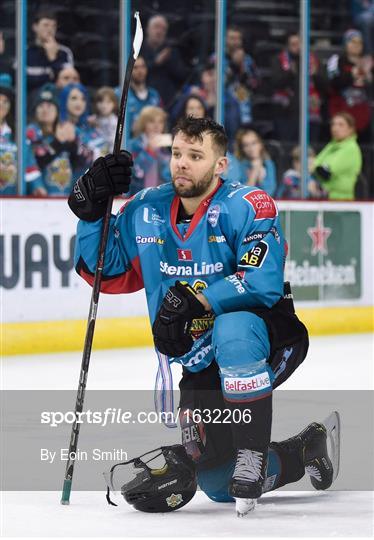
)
(128, 282)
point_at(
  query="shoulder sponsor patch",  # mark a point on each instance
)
(255, 256)
(254, 237)
(263, 205)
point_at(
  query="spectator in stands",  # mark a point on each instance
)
(150, 149)
(192, 105)
(167, 70)
(6, 60)
(140, 95)
(46, 56)
(290, 187)
(206, 90)
(351, 77)
(8, 147)
(55, 145)
(339, 163)
(67, 75)
(195, 106)
(257, 169)
(241, 73)
(74, 108)
(285, 79)
(363, 18)
(106, 114)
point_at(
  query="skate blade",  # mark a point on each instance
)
(244, 507)
(332, 425)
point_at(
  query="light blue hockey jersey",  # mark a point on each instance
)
(233, 251)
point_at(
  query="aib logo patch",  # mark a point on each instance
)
(255, 256)
(184, 254)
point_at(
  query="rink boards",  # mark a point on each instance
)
(45, 304)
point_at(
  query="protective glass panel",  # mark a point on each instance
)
(174, 75)
(72, 82)
(8, 134)
(342, 74)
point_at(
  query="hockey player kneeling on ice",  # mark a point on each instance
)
(210, 255)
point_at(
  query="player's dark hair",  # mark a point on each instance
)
(195, 128)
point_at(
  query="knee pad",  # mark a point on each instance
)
(242, 347)
(239, 338)
(248, 382)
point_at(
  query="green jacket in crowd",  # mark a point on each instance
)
(344, 160)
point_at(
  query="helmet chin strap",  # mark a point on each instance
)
(109, 501)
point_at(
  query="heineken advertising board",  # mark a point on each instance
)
(325, 263)
(324, 258)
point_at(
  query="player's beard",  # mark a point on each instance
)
(198, 188)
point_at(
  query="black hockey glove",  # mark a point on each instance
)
(109, 175)
(171, 329)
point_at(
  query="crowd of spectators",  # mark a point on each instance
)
(70, 125)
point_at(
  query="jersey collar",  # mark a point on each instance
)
(201, 210)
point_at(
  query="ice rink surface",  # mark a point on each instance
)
(278, 514)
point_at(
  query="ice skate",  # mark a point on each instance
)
(247, 479)
(322, 465)
(319, 445)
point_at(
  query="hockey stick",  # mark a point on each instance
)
(65, 498)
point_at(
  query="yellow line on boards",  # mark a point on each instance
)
(58, 336)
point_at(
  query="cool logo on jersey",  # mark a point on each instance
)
(149, 240)
(196, 269)
(241, 385)
(262, 204)
(255, 256)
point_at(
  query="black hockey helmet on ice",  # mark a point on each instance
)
(159, 490)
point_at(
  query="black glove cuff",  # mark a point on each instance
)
(82, 206)
(189, 293)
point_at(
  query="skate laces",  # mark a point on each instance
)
(248, 465)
